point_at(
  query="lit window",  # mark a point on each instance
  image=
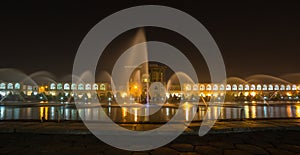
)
(241, 87)
(221, 87)
(88, 87)
(66, 86)
(228, 87)
(59, 86)
(73, 86)
(80, 86)
(215, 87)
(95, 86)
(258, 87)
(234, 87)
(2, 86)
(102, 87)
(17, 86)
(52, 86)
(252, 87)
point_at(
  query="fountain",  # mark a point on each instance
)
(11, 76)
(266, 79)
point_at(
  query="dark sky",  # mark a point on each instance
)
(253, 37)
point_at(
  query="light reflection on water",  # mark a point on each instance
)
(139, 114)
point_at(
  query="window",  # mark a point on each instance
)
(228, 87)
(276, 87)
(234, 87)
(2, 86)
(294, 87)
(10, 86)
(270, 87)
(52, 86)
(59, 86)
(88, 87)
(102, 87)
(95, 86)
(66, 86)
(265, 87)
(208, 87)
(202, 87)
(288, 87)
(221, 87)
(215, 87)
(17, 86)
(282, 87)
(241, 87)
(195, 87)
(74, 86)
(258, 87)
(252, 87)
(246, 87)
(80, 86)
(188, 87)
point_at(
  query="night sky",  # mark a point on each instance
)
(254, 38)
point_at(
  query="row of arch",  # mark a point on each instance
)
(236, 87)
(80, 86)
(54, 86)
(10, 86)
(188, 87)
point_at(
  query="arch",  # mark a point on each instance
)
(73, 86)
(10, 86)
(234, 87)
(17, 86)
(202, 87)
(247, 87)
(276, 87)
(52, 86)
(222, 87)
(95, 86)
(80, 86)
(66, 86)
(265, 87)
(288, 87)
(188, 87)
(228, 87)
(29, 87)
(258, 87)
(241, 87)
(2, 86)
(102, 87)
(282, 87)
(195, 87)
(294, 87)
(59, 86)
(252, 87)
(270, 87)
(215, 87)
(208, 87)
(88, 86)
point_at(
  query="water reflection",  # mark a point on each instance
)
(139, 114)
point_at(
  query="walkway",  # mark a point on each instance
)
(280, 136)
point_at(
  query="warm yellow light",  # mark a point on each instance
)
(124, 95)
(135, 87)
(208, 94)
(289, 94)
(246, 93)
(253, 93)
